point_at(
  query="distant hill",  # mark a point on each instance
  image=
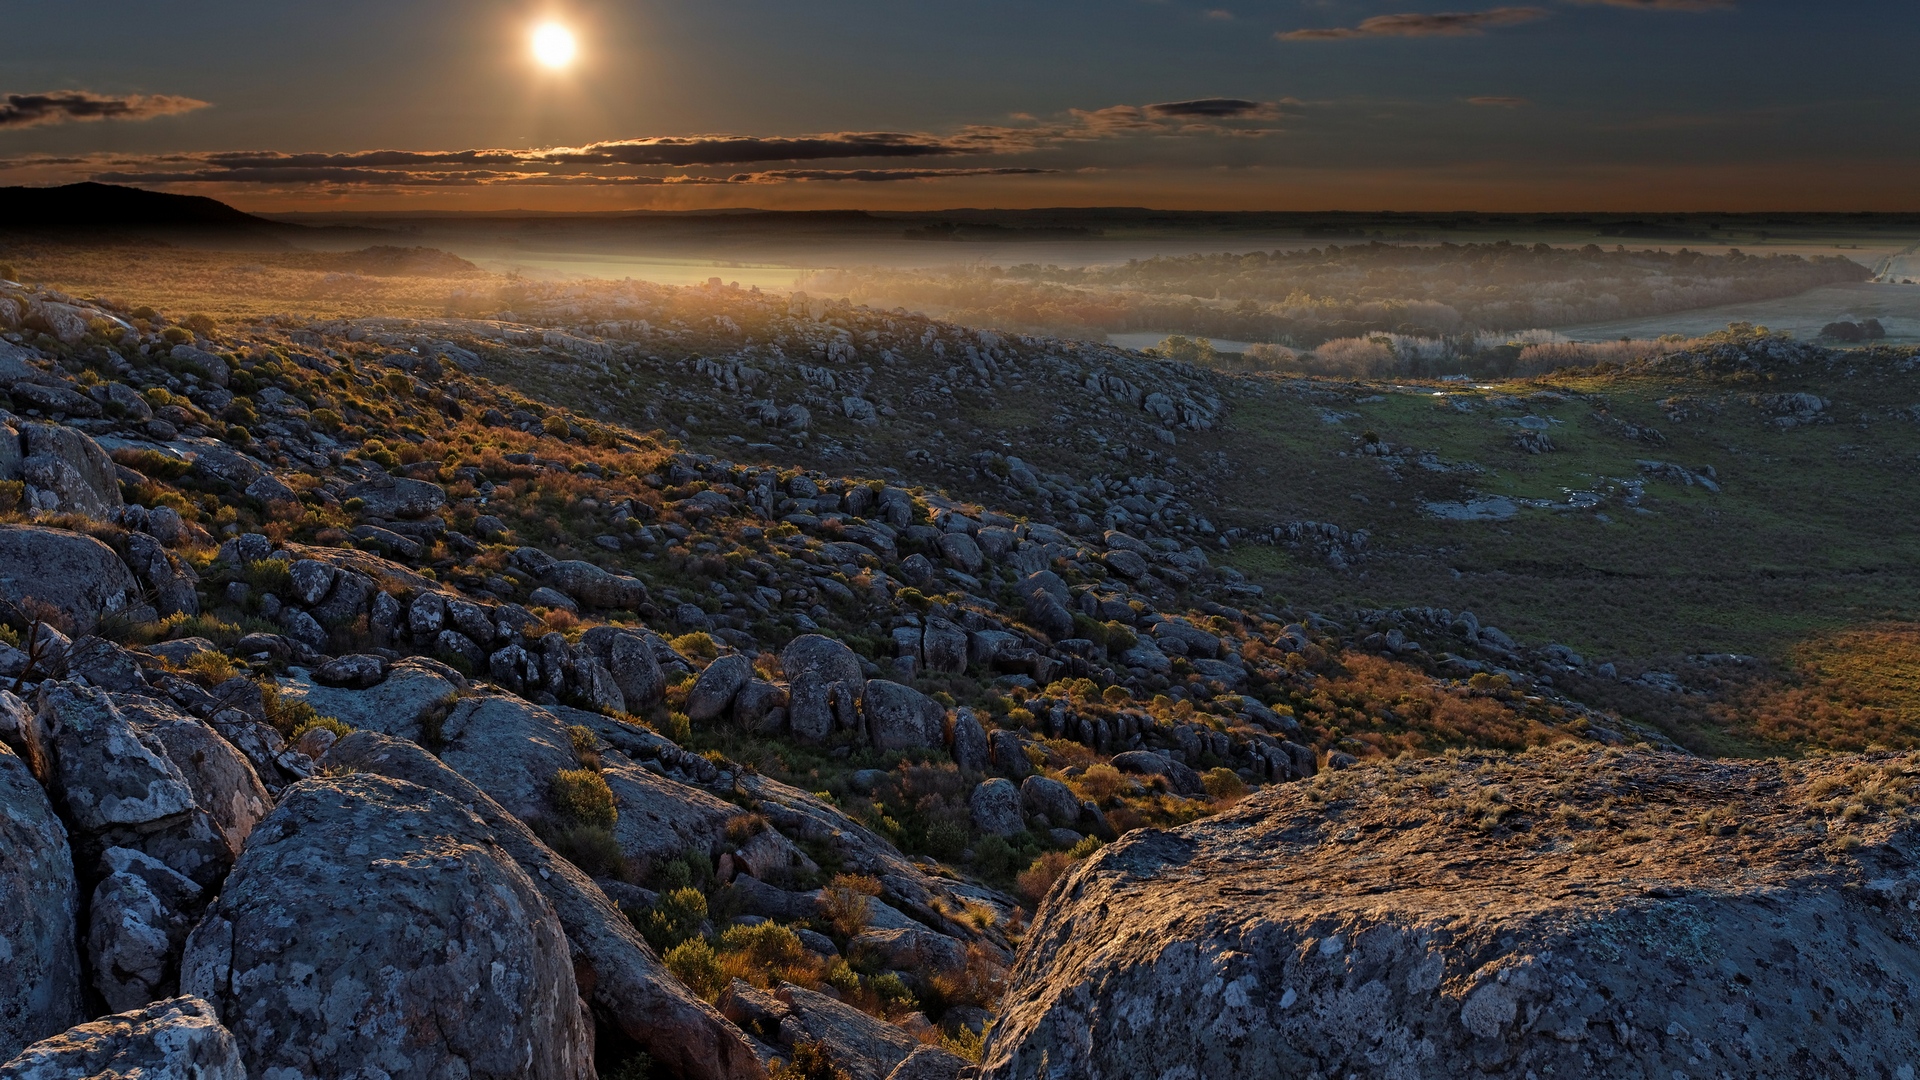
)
(92, 209)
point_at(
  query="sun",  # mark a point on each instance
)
(553, 45)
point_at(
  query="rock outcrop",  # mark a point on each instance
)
(628, 985)
(1570, 913)
(374, 927)
(79, 576)
(176, 1039)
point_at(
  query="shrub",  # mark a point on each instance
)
(209, 669)
(586, 746)
(843, 903)
(1224, 785)
(891, 994)
(810, 1061)
(339, 727)
(583, 798)
(592, 848)
(151, 463)
(286, 714)
(698, 645)
(1100, 783)
(1036, 879)
(674, 918)
(693, 963)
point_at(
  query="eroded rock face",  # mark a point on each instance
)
(1456, 934)
(176, 1039)
(374, 927)
(40, 993)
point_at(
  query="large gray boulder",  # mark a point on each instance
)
(67, 465)
(1052, 799)
(901, 718)
(866, 1048)
(394, 706)
(994, 807)
(120, 786)
(136, 925)
(509, 748)
(624, 980)
(713, 692)
(597, 588)
(629, 657)
(79, 576)
(943, 645)
(176, 1039)
(969, 742)
(661, 818)
(375, 928)
(1337, 927)
(824, 682)
(1179, 777)
(175, 585)
(396, 496)
(202, 363)
(40, 994)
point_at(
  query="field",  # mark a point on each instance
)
(1897, 306)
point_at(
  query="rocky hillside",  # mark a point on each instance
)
(367, 714)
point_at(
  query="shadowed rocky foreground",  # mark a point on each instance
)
(362, 716)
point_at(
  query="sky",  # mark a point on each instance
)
(274, 105)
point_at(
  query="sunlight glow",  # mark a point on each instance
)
(554, 46)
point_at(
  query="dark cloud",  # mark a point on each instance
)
(1441, 24)
(1498, 102)
(1664, 5)
(640, 161)
(874, 175)
(1211, 108)
(71, 106)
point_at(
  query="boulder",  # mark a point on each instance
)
(174, 584)
(943, 645)
(1182, 779)
(630, 657)
(176, 1039)
(393, 706)
(994, 808)
(223, 782)
(593, 684)
(969, 743)
(597, 588)
(121, 788)
(1046, 596)
(1009, 754)
(136, 925)
(311, 580)
(202, 363)
(76, 574)
(396, 496)
(756, 702)
(375, 927)
(623, 979)
(824, 682)
(962, 552)
(901, 718)
(714, 691)
(67, 464)
(509, 748)
(931, 1063)
(1128, 564)
(357, 671)
(1368, 933)
(865, 1048)
(660, 818)
(1050, 798)
(1197, 642)
(920, 951)
(59, 400)
(41, 993)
